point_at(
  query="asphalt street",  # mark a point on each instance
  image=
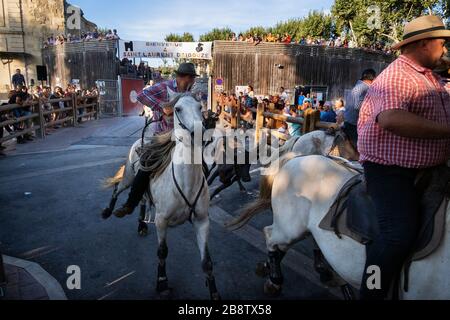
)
(50, 213)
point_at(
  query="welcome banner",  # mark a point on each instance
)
(168, 50)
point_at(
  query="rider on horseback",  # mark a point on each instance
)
(154, 97)
(404, 126)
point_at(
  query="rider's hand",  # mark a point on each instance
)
(168, 111)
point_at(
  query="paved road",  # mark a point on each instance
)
(59, 225)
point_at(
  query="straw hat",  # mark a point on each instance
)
(426, 27)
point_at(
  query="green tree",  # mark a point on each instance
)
(260, 31)
(185, 37)
(291, 26)
(217, 34)
(356, 18)
(317, 25)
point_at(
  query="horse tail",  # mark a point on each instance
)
(111, 182)
(265, 197)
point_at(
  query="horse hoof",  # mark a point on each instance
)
(166, 294)
(262, 270)
(106, 213)
(272, 289)
(215, 296)
(162, 286)
(143, 229)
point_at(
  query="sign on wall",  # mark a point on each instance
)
(169, 50)
(130, 90)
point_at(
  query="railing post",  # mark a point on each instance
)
(97, 108)
(41, 118)
(238, 115)
(259, 122)
(74, 109)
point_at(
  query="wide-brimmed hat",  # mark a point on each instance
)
(186, 69)
(426, 27)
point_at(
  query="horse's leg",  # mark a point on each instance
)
(107, 212)
(142, 227)
(162, 285)
(220, 189)
(241, 186)
(202, 231)
(272, 267)
(213, 177)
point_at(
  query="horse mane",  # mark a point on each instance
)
(157, 155)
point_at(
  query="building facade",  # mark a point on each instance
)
(24, 26)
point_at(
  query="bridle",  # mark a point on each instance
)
(191, 206)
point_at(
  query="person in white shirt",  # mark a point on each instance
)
(339, 108)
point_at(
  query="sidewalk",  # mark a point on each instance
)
(28, 281)
(64, 137)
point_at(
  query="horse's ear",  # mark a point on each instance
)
(171, 94)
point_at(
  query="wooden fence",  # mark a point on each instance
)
(35, 122)
(268, 66)
(86, 61)
(310, 121)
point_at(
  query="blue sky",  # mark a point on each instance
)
(152, 20)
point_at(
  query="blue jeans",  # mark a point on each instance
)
(397, 208)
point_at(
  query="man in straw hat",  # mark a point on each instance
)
(404, 126)
(155, 97)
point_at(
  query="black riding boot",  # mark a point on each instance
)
(140, 185)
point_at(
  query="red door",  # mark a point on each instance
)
(130, 89)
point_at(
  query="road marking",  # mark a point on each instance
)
(109, 284)
(108, 295)
(38, 173)
(298, 262)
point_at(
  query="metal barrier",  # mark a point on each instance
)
(36, 121)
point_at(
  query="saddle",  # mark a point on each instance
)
(353, 213)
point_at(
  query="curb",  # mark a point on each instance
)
(50, 284)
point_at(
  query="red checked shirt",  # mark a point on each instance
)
(404, 85)
(153, 97)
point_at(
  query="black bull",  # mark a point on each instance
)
(228, 173)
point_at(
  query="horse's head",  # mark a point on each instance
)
(188, 118)
(345, 147)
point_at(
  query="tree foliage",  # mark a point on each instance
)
(185, 37)
(217, 34)
(357, 18)
(353, 19)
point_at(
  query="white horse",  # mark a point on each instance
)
(179, 192)
(302, 193)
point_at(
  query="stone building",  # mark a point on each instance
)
(24, 25)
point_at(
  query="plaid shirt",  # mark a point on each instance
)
(404, 85)
(153, 97)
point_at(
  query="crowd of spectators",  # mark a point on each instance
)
(280, 103)
(45, 95)
(142, 70)
(310, 41)
(95, 35)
